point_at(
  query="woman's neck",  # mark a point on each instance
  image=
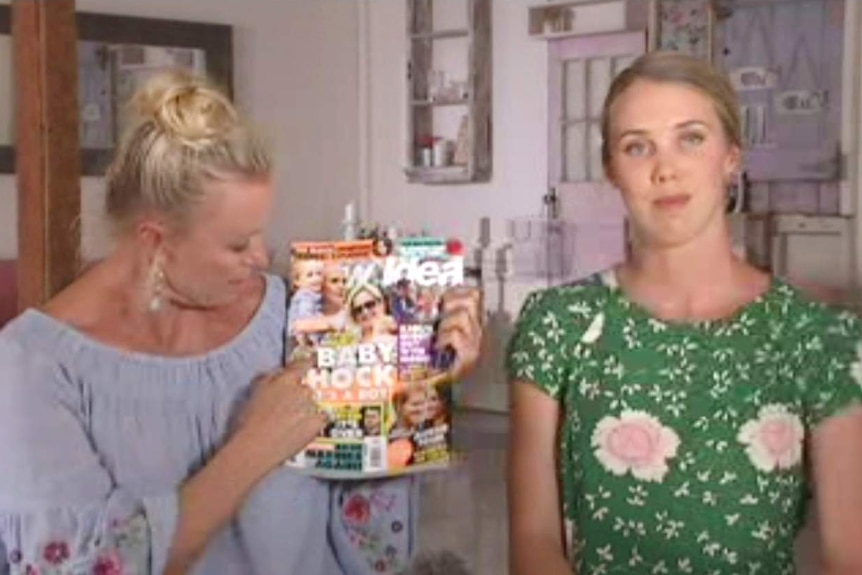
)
(168, 330)
(686, 268)
(111, 304)
(702, 279)
(330, 307)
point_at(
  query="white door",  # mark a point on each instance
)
(580, 73)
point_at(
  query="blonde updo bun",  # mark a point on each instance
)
(181, 132)
(185, 107)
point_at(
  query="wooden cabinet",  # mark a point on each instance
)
(786, 62)
(449, 91)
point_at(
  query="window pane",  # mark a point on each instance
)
(574, 89)
(599, 80)
(574, 153)
(596, 171)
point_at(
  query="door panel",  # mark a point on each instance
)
(581, 71)
(785, 58)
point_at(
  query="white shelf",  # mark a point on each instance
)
(441, 175)
(441, 34)
(553, 35)
(439, 103)
(582, 18)
(438, 107)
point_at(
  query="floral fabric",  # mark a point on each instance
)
(682, 447)
(376, 521)
(124, 550)
(94, 437)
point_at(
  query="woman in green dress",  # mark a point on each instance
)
(675, 413)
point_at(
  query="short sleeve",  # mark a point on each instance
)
(536, 351)
(303, 305)
(60, 511)
(834, 371)
(373, 525)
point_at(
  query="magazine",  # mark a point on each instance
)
(367, 312)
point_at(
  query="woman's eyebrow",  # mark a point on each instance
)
(679, 126)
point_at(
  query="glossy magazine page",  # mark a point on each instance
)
(366, 312)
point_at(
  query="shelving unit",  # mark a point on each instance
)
(441, 34)
(559, 19)
(454, 109)
(438, 103)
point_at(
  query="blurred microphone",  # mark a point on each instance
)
(438, 563)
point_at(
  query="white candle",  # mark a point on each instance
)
(349, 225)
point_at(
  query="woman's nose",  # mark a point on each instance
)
(258, 254)
(665, 168)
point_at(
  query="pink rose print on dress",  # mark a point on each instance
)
(56, 552)
(357, 510)
(636, 442)
(108, 565)
(774, 439)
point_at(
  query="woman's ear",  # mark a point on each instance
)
(733, 163)
(150, 234)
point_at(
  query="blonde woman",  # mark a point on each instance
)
(671, 414)
(367, 308)
(134, 438)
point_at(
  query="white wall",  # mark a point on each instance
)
(326, 79)
(295, 71)
(519, 175)
(519, 95)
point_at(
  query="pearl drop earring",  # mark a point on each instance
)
(157, 286)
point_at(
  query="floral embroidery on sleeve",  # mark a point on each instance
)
(56, 552)
(373, 524)
(123, 551)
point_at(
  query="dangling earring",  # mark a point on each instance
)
(157, 284)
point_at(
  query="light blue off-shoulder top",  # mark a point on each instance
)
(96, 442)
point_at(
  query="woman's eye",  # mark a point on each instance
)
(635, 149)
(693, 138)
(239, 248)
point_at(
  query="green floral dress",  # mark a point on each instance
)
(683, 444)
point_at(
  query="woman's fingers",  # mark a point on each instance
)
(461, 328)
(464, 298)
(294, 371)
(466, 350)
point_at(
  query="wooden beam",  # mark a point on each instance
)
(47, 142)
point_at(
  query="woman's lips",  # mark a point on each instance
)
(673, 202)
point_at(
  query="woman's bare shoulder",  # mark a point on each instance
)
(80, 302)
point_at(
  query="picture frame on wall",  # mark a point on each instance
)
(686, 26)
(115, 55)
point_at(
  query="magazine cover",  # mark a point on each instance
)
(367, 311)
